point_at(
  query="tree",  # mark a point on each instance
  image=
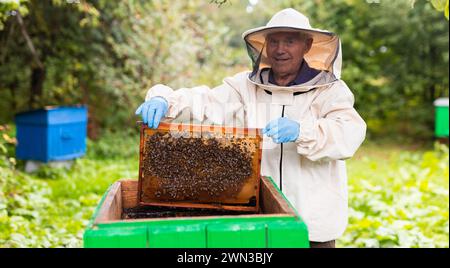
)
(439, 5)
(105, 54)
(395, 59)
(108, 53)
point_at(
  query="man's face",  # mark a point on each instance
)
(285, 51)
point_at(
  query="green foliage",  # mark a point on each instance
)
(51, 207)
(395, 60)
(106, 54)
(398, 198)
(112, 145)
(30, 218)
(9, 8)
(440, 5)
(7, 145)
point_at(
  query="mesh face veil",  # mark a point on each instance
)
(325, 53)
(255, 57)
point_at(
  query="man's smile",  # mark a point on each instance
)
(281, 59)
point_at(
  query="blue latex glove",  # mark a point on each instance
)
(152, 111)
(282, 130)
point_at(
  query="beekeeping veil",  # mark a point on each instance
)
(325, 53)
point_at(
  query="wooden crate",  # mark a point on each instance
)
(276, 225)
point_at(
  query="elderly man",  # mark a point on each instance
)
(295, 94)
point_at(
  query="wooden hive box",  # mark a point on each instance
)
(275, 225)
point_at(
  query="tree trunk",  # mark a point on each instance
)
(37, 84)
(93, 127)
(12, 90)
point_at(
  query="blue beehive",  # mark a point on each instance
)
(53, 133)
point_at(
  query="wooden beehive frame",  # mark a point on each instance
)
(124, 194)
(200, 129)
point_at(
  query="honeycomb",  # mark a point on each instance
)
(199, 165)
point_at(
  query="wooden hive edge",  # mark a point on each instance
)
(123, 194)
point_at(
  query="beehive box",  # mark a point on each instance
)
(275, 225)
(441, 118)
(199, 166)
(52, 133)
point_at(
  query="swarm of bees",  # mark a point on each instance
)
(185, 167)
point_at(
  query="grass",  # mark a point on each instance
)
(398, 195)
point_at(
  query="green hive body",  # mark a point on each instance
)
(260, 231)
(441, 118)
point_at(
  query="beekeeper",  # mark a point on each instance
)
(295, 94)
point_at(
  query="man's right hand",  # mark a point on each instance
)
(152, 111)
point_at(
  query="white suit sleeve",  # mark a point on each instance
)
(221, 105)
(337, 133)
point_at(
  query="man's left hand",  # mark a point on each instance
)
(282, 130)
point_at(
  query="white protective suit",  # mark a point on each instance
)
(311, 171)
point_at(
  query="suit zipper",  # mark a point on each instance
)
(281, 159)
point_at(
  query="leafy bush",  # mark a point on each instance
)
(402, 201)
(115, 145)
(7, 145)
(28, 216)
(38, 212)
